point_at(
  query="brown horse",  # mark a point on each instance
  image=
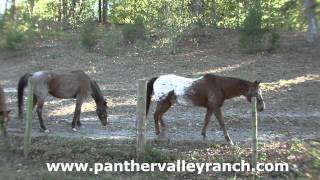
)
(4, 113)
(74, 84)
(209, 91)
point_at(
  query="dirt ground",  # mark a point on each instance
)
(290, 75)
(291, 90)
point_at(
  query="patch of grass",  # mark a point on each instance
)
(236, 153)
(307, 154)
(159, 155)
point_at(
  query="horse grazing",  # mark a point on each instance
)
(4, 113)
(209, 91)
(74, 84)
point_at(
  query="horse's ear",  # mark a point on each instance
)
(256, 82)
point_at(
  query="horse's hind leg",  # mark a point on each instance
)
(219, 116)
(165, 107)
(34, 101)
(206, 122)
(161, 108)
(77, 112)
(39, 112)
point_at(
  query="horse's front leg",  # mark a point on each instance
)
(77, 112)
(206, 122)
(39, 112)
(219, 116)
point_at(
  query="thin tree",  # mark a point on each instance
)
(99, 11)
(310, 6)
(64, 13)
(105, 11)
(31, 4)
(5, 8)
(13, 9)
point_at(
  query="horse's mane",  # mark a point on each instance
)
(96, 92)
(2, 99)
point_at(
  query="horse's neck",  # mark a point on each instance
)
(96, 94)
(237, 88)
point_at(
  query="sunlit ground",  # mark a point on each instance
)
(226, 68)
(283, 83)
(89, 106)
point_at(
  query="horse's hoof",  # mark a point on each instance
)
(231, 143)
(46, 131)
(74, 129)
(204, 138)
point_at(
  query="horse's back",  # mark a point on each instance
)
(61, 85)
(168, 83)
(70, 84)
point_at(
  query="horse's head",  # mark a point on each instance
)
(102, 112)
(255, 91)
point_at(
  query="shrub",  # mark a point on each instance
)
(255, 38)
(133, 32)
(15, 36)
(88, 34)
(112, 40)
(251, 34)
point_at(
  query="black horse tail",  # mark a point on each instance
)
(23, 82)
(149, 92)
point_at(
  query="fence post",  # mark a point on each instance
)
(141, 121)
(254, 122)
(27, 133)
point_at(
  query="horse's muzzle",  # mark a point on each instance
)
(104, 126)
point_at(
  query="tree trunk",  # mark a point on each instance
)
(73, 9)
(312, 33)
(214, 13)
(64, 13)
(134, 9)
(99, 11)
(31, 4)
(60, 11)
(105, 11)
(5, 9)
(13, 9)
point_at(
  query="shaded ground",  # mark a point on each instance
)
(291, 90)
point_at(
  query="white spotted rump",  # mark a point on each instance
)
(178, 84)
(39, 73)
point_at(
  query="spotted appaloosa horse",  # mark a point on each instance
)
(66, 85)
(209, 91)
(4, 112)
